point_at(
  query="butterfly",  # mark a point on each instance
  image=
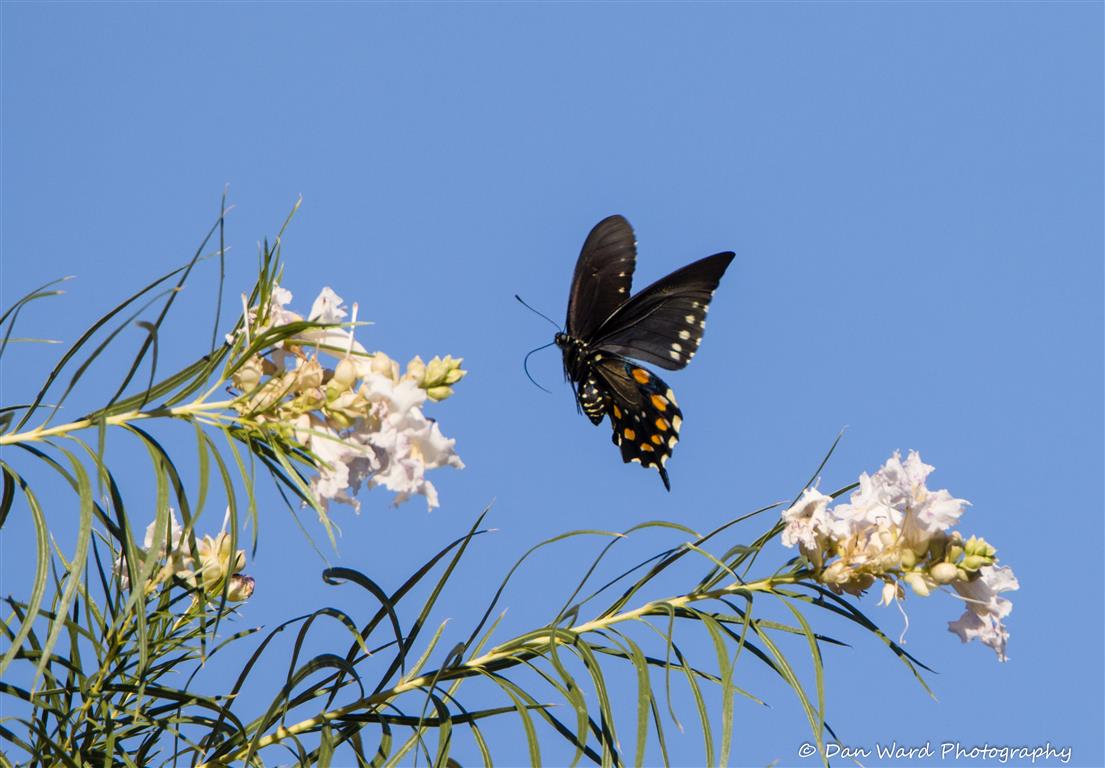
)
(606, 327)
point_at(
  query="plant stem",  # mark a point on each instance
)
(184, 411)
(511, 654)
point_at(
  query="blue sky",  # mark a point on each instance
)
(913, 191)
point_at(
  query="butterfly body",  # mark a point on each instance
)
(607, 329)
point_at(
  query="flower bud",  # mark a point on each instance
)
(919, 583)
(437, 394)
(382, 365)
(909, 559)
(248, 376)
(344, 374)
(978, 546)
(308, 375)
(455, 373)
(944, 573)
(416, 370)
(241, 587)
(216, 562)
(974, 562)
(439, 374)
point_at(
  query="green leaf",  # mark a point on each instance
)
(42, 558)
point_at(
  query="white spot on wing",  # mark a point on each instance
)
(684, 335)
(674, 355)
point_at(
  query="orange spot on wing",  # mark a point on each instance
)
(659, 403)
(662, 424)
(641, 375)
(629, 434)
(646, 447)
(656, 439)
(617, 412)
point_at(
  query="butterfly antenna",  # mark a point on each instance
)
(525, 362)
(531, 309)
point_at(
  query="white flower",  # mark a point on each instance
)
(361, 421)
(391, 399)
(985, 610)
(278, 314)
(178, 551)
(327, 307)
(406, 450)
(869, 505)
(393, 445)
(935, 512)
(897, 496)
(214, 560)
(406, 443)
(175, 539)
(807, 520)
(335, 453)
(894, 529)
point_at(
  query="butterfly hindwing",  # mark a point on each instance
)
(643, 413)
(664, 323)
(603, 275)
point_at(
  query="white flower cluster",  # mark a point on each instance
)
(206, 566)
(895, 530)
(360, 419)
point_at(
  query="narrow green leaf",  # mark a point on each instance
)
(517, 696)
(644, 696)
(42, 558)
(84, 535)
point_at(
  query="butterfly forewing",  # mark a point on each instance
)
(603, 276)
(664, 323)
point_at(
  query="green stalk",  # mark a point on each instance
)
(509, 654)
(198, 408)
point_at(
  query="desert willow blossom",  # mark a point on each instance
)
(207, 567)
(895, 530)
(350, 413)
(360, 418)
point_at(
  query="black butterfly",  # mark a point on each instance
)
(662, 325)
